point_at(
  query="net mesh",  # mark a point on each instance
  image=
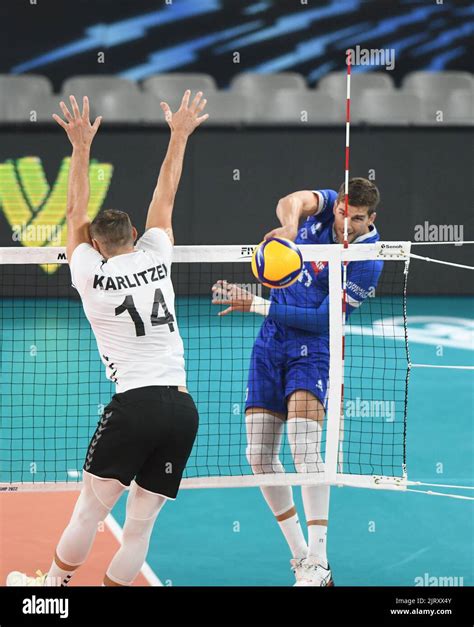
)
(53, 386)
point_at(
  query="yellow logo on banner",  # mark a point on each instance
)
(35, 211)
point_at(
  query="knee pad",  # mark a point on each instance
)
(264, 434)
(141, 512)
(96, 499)
(304, 437)
(142, 504)
(263, 459)
(106, 491)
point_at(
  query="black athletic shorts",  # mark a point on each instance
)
(145, 434)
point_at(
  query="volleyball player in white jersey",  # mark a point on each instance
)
(146, 433)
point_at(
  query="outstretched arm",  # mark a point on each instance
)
(314, 319)
(81, 134)
(182, 124)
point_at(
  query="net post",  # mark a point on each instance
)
(335, 365)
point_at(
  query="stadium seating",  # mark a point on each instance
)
(425, 98)
(380, 107)
(250, 82)
(294, 108)
(171, 87)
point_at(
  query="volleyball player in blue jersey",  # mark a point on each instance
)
(289, 367)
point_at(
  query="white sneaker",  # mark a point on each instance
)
(312, 573)
(297, 568)
(15, 578)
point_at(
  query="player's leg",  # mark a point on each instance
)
(265, 416)
(166, 417)
(305, 428)
(264, 434)
(306, 381)
(96, 500)
(142, 510)
(108, 469)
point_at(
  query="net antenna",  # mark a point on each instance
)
(346, 245)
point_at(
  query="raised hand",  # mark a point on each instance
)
(78, 127)
(187, 117)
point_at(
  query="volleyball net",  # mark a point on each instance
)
(54, 390)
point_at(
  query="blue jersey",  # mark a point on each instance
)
(311, 290)
(291, 351)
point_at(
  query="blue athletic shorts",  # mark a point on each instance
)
(280, 366)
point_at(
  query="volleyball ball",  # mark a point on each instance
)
(277, 262)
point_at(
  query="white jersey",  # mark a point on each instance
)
(129, 302)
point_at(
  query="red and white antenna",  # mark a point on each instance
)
(346, 244)
(348, 129)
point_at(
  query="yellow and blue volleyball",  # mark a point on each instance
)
(277, 262)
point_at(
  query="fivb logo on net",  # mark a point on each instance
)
(35, 210)
(384, 57)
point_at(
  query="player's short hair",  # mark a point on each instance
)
(362, 193)
(113, 228)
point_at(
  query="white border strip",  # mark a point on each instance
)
(396, 251)
(242, 481)
(435, 366)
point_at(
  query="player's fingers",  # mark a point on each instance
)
(226, 311)
(202, 118)
(60, 121)
(75, 108)
(85, 108)
(185, 99)
(220, 295)
(65, 110)
(195, 102)
(201, 105)
(97, 123)
(166, 111)
(217, 287)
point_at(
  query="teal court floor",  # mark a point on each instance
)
(228, 536)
